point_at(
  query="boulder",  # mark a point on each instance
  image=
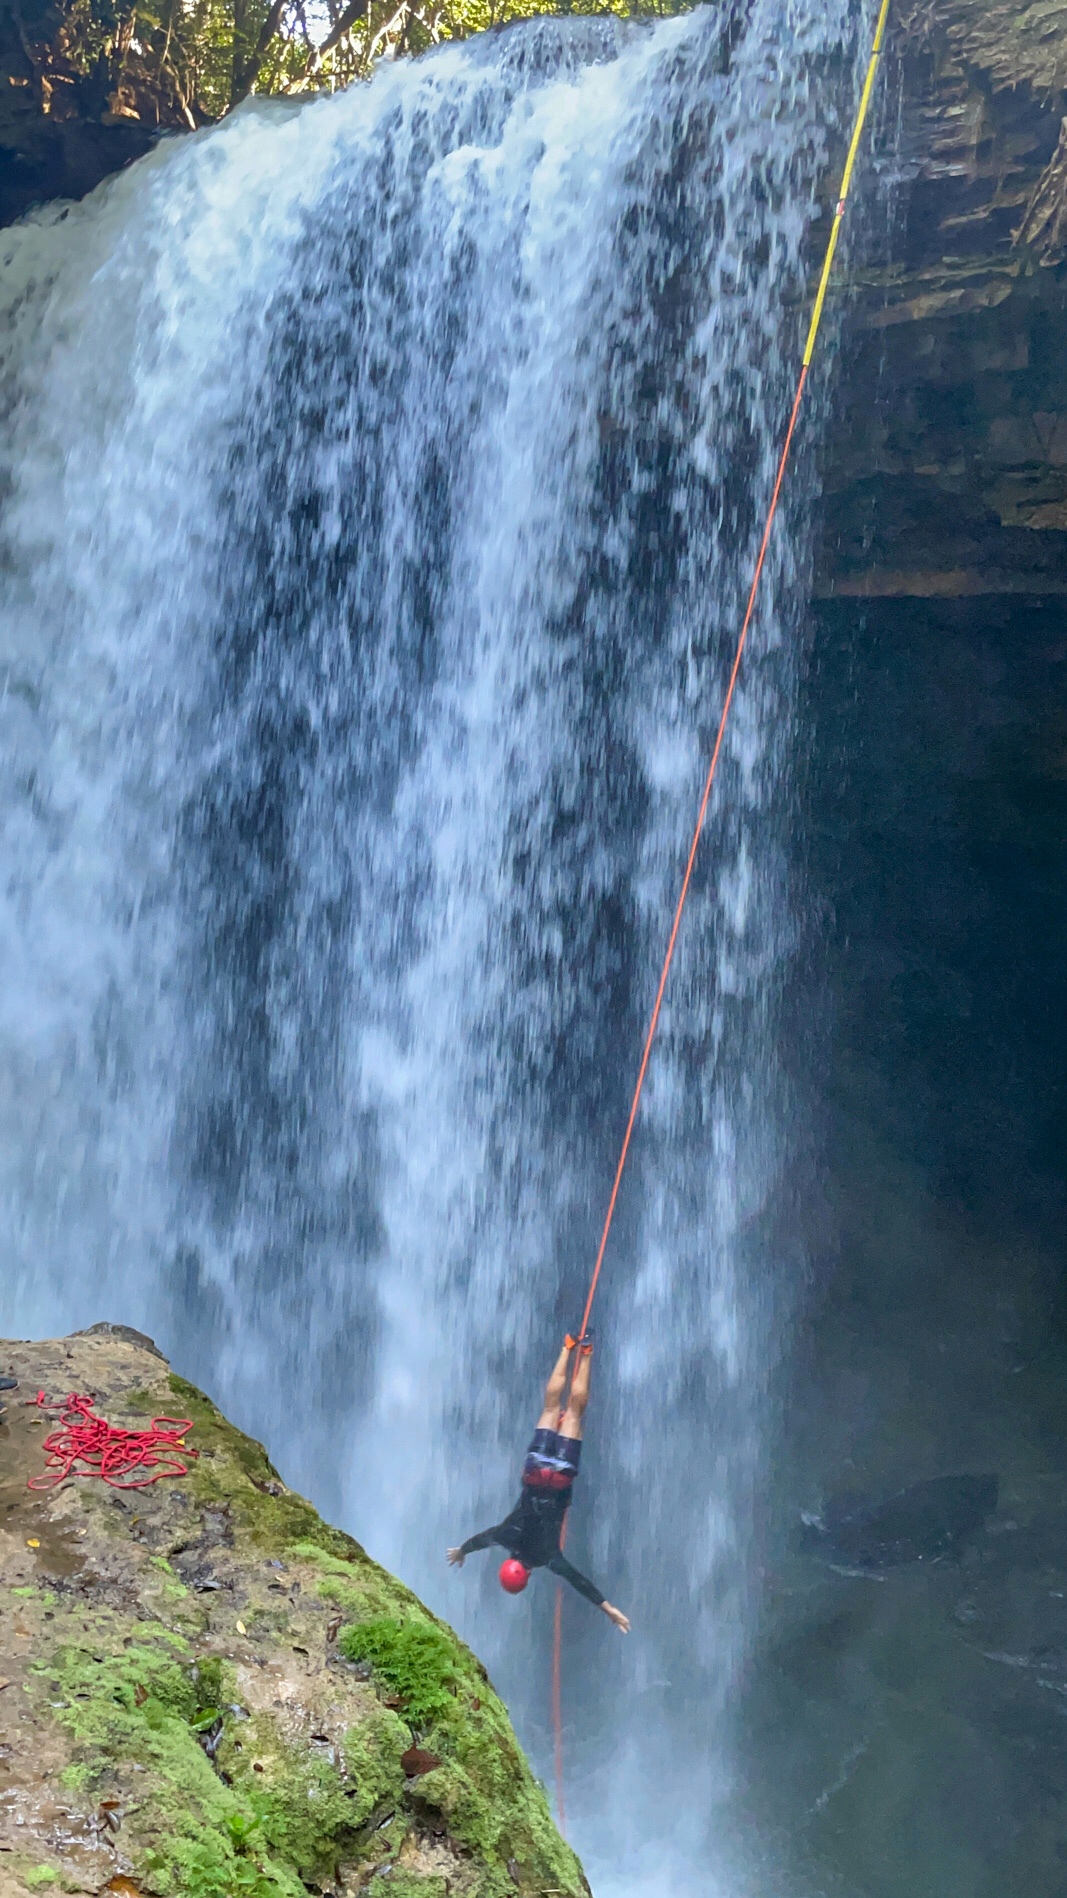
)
(205, 1689)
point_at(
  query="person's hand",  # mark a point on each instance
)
(456, 1558)
(622, 1622)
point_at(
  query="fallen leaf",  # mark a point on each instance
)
(120, 1883)
(3, 1684)
(33, 1542)
(241, 1629)
(334, 1628)
(418, 1759)
(140, 1694)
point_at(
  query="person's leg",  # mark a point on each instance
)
(554, 1389)
(578, 1399)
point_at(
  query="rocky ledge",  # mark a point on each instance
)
(206, 1691)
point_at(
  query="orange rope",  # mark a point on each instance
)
(557, 1696)
(693, 848)
(783, 462)
(557, 1642)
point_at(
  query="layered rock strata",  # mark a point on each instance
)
(945, 473)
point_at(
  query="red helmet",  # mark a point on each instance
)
(513, 1576)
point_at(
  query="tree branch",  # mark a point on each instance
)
(254, 63)
(343, 24)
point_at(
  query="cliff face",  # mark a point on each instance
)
(205, 1691)
(946, 472)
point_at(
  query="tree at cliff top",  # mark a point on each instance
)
(178, 63)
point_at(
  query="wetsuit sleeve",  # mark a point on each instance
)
(561, 1567)
(483, 1541)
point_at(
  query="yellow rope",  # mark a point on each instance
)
(846, 182)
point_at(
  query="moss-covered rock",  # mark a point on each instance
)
(207, 1692)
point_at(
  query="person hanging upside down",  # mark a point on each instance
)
(533, 1532)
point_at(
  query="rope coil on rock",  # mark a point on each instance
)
(87, 1445)
(809, 350)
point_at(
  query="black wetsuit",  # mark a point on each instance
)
(531, 1533)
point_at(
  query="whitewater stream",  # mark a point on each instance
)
(382, 477)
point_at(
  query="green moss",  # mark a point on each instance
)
(233, 1472)
(401, 1883)
(40, 1875)
(308, 1807)
(373, 1752)
(286, 1814)
(141, 1706)
(483, 1788)
(168, 1587)
(413, 1658)
(491, 1801)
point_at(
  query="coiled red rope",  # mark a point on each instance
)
(87, 1445)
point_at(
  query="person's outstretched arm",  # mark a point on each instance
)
(484, 1540)
(568, 1573)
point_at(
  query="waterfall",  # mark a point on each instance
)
(382, 479)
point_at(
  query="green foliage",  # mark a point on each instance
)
(413, 1658)
(184, 63)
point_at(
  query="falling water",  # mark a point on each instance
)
(382, 479)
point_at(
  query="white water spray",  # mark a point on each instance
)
(383, 481)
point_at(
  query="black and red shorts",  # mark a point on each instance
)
(551, 1461)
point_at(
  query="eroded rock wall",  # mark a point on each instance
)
(945, 474)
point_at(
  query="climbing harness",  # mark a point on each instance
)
(87, 1445)
(783, 462)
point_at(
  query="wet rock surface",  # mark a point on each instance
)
(177, 1714)
(927, 1712)
(945, 472)
(926, 1522)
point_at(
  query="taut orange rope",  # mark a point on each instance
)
(783, 462)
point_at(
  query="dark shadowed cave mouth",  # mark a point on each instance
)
(348, 725)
